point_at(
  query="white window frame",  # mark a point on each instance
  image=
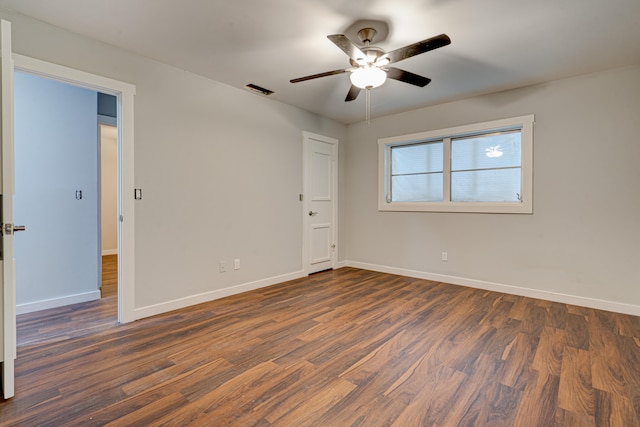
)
(524, 206)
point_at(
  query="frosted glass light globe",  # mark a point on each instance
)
(368, 77)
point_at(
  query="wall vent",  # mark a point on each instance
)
(258, 89)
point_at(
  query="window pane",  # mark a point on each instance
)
(417, 188)
(418, 158)
(486, 152)
(501, 185)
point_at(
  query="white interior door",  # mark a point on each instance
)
(320, 202)
(7, 278)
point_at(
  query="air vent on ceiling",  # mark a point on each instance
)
(258, 89)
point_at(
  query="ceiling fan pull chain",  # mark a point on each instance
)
(368, 107)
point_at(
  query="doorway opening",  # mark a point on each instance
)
(66, 190)
(123, 95)
(108, 140)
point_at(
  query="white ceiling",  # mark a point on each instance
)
(496, 44)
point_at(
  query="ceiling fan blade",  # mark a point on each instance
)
(407, 77)
(348, 47)
(418, 48)
(315, 76)
(353, 93)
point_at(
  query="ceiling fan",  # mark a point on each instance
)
(370, 64)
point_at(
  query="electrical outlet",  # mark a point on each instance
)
(222, 266)
(445, 257)
(236, 264)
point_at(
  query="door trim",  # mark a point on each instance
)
(307, 136)
(8, 351)
(125, 93)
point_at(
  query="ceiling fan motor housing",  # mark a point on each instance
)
(372, 54)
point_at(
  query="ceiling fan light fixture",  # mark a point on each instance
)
(383, 61)
(368, 77)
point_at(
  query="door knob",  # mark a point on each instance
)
(19, 228)
(312, 213)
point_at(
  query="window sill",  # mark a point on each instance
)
(468, 207)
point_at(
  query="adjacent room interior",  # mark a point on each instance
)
(456, 245)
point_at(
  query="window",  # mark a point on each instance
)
(485, 167)
(416, 172)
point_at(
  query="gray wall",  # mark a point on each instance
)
(109, 187)
(583, 238)
(56, 154)
(220, 169)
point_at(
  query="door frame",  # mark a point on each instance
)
(125, 94)
(7, 271)
(306, 138)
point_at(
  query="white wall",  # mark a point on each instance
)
(56, 155)
(220, 169)
(109, 188)
(583, 239)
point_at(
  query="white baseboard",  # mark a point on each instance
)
(340, 264)
(110, 252)
(617, 307)
(152, 310)
(57, 302)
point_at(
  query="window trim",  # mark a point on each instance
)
(523, 123)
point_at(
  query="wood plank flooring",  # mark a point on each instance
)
(77, 319)
(340, 348)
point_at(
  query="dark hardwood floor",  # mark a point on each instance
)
(341, 348)
(75, 320)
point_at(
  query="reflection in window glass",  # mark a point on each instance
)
(486, 168)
